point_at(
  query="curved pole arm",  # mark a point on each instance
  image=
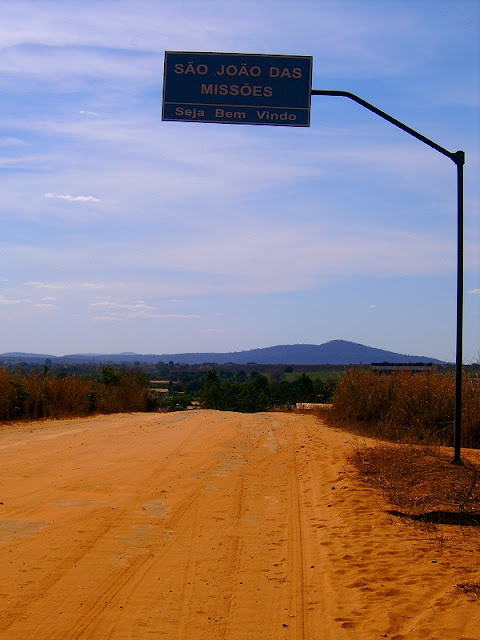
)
(458, 157)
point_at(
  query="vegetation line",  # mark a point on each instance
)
(401, 406)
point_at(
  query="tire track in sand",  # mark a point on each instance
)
(296, 543)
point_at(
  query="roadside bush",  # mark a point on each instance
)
(471, 412)
(52, 397)
(38, 395)
(121, 391)
(41, 395)
(12, 396)
(405, 407)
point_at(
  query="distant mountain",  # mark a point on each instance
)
(340, 352)
(16, 356)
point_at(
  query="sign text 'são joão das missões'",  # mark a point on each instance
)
(237, 88)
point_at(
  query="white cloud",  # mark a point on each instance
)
(474, 291)
(117, 305)
(10, 301)
(75, 65)
(48, 285)
(143, 26)
(91, 285)
(66, 286)
(164, 316)
(22, 162)
(11, 142)
(105, 319)
(70, 198)
(138, 310)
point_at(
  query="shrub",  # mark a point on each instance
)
(121, 391)
(40, 395)
(406, 407)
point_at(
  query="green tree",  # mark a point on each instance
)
(210, 394)
(109, 376)
(255, 395)
(283, 394)
(305, 389)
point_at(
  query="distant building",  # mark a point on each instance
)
(304, 406)
(387, 368)
(159, 386)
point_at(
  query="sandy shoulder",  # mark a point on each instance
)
(214, 525)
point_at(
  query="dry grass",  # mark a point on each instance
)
(472, 589)
(406, 408)
(421, 483)
(44, 395)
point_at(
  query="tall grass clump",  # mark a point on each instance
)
(119, 391)
(38, 395)
(43, 395)
(407, 408)
(53, 397)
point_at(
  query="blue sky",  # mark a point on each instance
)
(120, 232)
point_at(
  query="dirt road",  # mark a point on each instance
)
(224, 526)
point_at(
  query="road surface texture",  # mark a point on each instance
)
(208, 525)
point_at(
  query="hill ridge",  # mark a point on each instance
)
(343, 352)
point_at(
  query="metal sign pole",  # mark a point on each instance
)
(458, 158)
(460, 161)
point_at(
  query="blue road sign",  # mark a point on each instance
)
(237, 88)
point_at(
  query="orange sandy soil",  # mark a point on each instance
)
(208, 525)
